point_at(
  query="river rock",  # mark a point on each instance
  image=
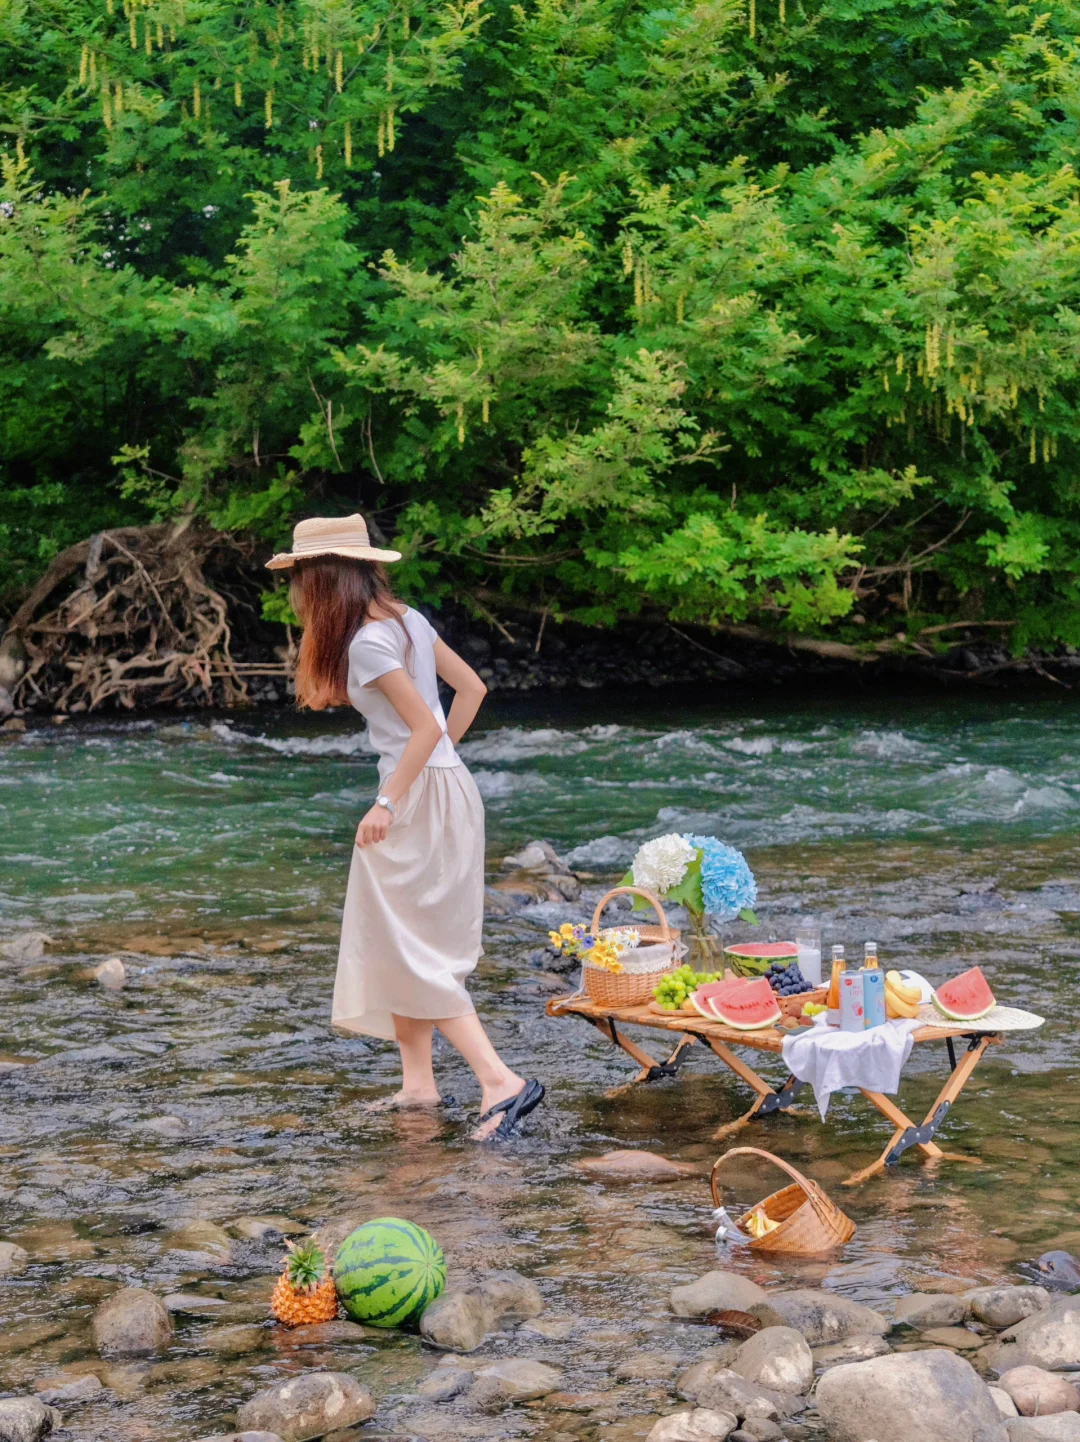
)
(758, 1429)
(242, 1437)
(1038, 1393)
(510, 1297)
(111, 974)
(777, 1358)
(205, 1239)
(1062, 1427)
(7, 705)
(27, 1419)
(444, 1383)
(957, 1337)
(821, 1317)
(926, 1309)
(25, 946)
(307, 1406)
(131, 1323)
(190, 1304)
(701, 1372)
(703, 1424)
(726, 1391)
(1050, 1338)
(1060, 1270)
(13, 1260)
(855, 1349)
(518, 1379)
(1006, 1305)
(1004, 1403)
(629, 1165)
(908, 1397)
(457, 1321)
(71, 1394)
(554, 1329)
(718, 1292)
(265, 1229)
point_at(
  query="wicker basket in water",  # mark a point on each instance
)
(635, 984)
(810, 1222)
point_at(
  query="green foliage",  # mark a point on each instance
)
(742, 311)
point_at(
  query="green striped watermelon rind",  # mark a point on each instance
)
(388, 1271)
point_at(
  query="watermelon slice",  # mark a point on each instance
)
(704, 997)
(966, 998)
(746, 1006)
(753, 958)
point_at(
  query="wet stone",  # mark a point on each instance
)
(1004, 1403)
(648, 1367)
(758, 1429)
(778, 1358)
(923, 1309)
(242, 1437)
(822, 1317)
(554, 1329)
(628, 1165)
(308, 1406)
(1062, 1427)
(133, 1322)
(1005, 1306)
(444, 1383)
(322, 1334)
(265, 1229)
(111, 974)
(190, 1304)
(1038, 1393)
(14, 1259)
(27, 1419)
(703, 1424)
(65, 1394)
(717, 1291)
(29, 1335)
(921, 1394)
(236, 1341)
(516, 1380)
(457, 1321)
(203, 1239)
(957, 1337)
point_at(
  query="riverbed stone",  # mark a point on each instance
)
(111, 974)
(70, 1393)
(190, 1304)
(726, 1391)
(131, 1323)
(854, 1349)
(717, 1292)
(1004, 1306)
(908, 1397)
(1004, 1403)
(27, 1419)
(14, 1259)
(510, 1297)
(553, 1329)
(265, 1229)
(517, 1379)
(758, 1429)
(1038, 1393)
(719, 1359)
(927, 1309)
(458, 1321)
(242, 1437)
(1061, 1427)
(822, 1317)
(307, 1406)
(628, 1165)
(444, 1383)
(1050, 1338)
(202, 1238)
(778, 1358)
(703, 1424)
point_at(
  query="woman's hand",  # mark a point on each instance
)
(374, 826)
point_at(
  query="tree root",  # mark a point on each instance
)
(143, 626)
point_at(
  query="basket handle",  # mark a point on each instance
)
(820, 1203)
(632, 891)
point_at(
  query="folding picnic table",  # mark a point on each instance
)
(610, 1021)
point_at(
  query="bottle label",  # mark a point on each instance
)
(852, 1010)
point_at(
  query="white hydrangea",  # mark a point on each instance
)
(661, 864)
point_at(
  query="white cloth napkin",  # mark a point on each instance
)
(830, 1059)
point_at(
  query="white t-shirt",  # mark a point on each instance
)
(376, 649)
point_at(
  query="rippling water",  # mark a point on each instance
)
(214, 858)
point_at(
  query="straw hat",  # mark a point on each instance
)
(330, 536)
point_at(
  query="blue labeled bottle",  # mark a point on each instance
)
(873, 987)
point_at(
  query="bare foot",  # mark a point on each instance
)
(404, 1101)
(490, 1097)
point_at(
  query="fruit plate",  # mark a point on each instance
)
(793, 1005)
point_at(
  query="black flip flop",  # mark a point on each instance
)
(528, 1099)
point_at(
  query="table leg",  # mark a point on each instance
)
(768, 1098)
(907, 1134)
(651, 1069)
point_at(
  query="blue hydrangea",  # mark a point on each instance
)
(727, 883)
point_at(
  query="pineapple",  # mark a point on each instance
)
(304, 1292)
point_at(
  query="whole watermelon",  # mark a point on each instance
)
(388, 1271)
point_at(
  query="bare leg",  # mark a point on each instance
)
(497, 1082)
(418, 1087)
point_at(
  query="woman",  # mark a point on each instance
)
(414, 908)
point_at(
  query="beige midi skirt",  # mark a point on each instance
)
(414, 910)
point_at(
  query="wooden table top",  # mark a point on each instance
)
(767, 1039)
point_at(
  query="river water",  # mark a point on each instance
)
(213, 857)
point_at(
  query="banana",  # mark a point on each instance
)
(904, 989)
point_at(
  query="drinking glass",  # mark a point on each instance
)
(808, 942)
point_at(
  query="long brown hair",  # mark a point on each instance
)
(333, 596)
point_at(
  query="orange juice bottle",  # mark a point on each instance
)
(839, 966)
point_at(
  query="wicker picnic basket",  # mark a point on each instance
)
(810, 1223)
(635, 984)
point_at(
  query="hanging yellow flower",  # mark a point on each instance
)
(84, 65)
(269, 109)
(133, 30)
(196, 101)
(118, 102)
(339, 71)
(753, 19)
(93, 70)
(148, 39)
(160, 36)
(318, 162)
(237, 93)
(487, 410)
(348, 145)
(460, 424)
(390, 128)
(1031, 452)
(106, 108)
(382, 137)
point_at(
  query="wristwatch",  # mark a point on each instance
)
(385, 801)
